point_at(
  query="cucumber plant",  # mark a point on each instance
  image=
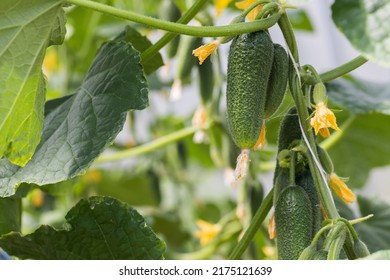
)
(88, 74)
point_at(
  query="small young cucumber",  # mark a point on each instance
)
(277, 82)
(185, 60)
(293, 220)
(206, 81)
(305, 180)
(249, 68)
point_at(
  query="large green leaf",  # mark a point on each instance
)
(365, 24)
(10, 214)
(26, 29)
(375, 232)
(141, 43)
(98, 228)
(78, 130)
(364, 145)
(359, 96)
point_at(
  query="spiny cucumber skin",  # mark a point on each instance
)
(277, 82)
(293, 221)
(305, 180)
(249, 67)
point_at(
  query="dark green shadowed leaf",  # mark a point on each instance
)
(141, 43)
(97, 228)
(78, 130)
(359, 96)
(27, 28)
(374, 232)
(364, 146)
(365, 24)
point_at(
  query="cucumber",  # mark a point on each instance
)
(360, 249)
(186, 60)
(325, 160)
(249, 68)
(293, 220)
(305, 180)
(277, 83)
(170, 12)
(206, 81)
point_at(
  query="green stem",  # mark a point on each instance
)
(338, 71)
(292, 167)
(199, 31)
(318, 177)
(319, 233)
(350, 228)
(337, 135)
(148, 147)
(185, 18)
(288, 34)
(259, 217)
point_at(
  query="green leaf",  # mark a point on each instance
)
(300, 20)
(364, 145)
(364, 24)
(380, 255)
(10, 214)
(79, 129)
(26, 29)
(359, 96)
(97, 228)
(375, 232)
(141, 43)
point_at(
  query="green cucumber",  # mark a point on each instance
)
(206, 81)
(293, 221)
(305, 180)
(277, 83)
(325, 160)
(360, 249)
(186, 61)
(249, 68)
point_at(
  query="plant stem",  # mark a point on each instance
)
(148, 147)
(288, 34)
(259, 217)
(200, 31)
(184, 19)
(337, 135)
(338, 71)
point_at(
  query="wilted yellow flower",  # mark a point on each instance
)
(261, 141)
(207, 231)
(220, 5)
(341, 189)
(241, 165)
(272, 227)
(323, 119)
(204, 51)
(242, 5)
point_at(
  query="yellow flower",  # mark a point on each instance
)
(272, 227)
(341, 189)
(207, 231)
(242, 5)
(323, 119)
(261, 141)
(220, 5)
(204, 51)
